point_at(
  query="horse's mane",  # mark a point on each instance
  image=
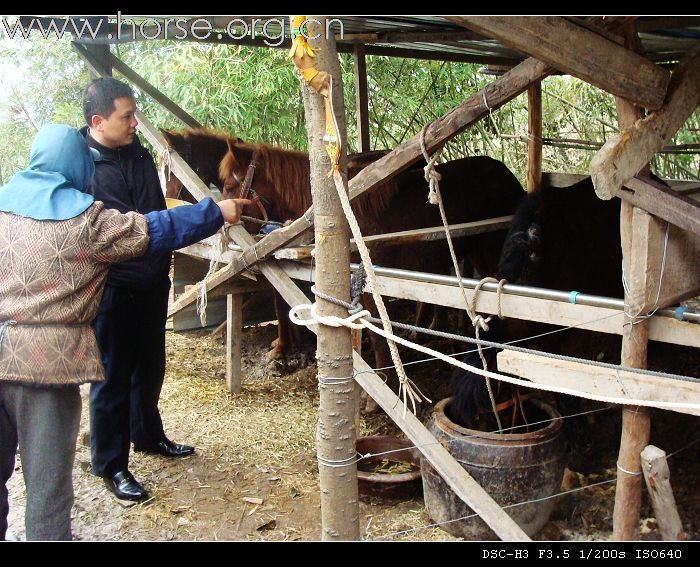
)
(288, 170)
(206, 133)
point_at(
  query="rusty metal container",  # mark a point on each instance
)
(512, 468)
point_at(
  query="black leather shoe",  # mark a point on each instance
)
(125, 486)
(166, 448)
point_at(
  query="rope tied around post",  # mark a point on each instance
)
(304, 59)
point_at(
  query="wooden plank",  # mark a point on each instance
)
(361, 99)
(599, 381)
(153, 92)
(658, 479)
(601, 319)
(557, 41)
(534, 141)
(680, 278)
(408, 236)
(556, 179)
(625, 154)
(663, 202)
(102, 56)
(296, 253)
(234, 330)
(437, 233)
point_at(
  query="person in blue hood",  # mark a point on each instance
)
(57, 244)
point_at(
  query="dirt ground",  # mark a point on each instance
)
(254, 475)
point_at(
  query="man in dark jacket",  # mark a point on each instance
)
(130, 324)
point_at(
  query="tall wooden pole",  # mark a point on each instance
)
(335, 434)
(534, 138)
(361, 98)
(636, 423)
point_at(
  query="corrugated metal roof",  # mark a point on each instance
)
(664, 38)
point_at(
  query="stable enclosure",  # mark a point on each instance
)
(639, 60)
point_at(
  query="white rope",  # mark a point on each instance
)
(351, 320)
(202, 299)
(407, 390)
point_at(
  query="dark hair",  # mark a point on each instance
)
(100, 94)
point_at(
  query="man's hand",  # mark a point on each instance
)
(232, 209)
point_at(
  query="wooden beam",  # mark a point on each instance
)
(436, 233)
(454, 475)
(496, 94)
(680, 278)
(96, 64)
(558, 42)
(601, 319)
(663, 202)
(361, 99)
(534, 141)
(658, 479)
(625, 154)
(153, 92)
(596, 380)
(102, 56)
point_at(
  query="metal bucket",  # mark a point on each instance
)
(512, 468)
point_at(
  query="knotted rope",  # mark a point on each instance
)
(202, 299)
(478, 321)
(304, 59)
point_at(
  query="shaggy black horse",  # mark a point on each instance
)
(560, 238)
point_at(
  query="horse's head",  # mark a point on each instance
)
(201, 149)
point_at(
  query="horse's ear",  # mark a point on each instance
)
(169, 137)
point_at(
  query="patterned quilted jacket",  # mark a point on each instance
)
(51, 280)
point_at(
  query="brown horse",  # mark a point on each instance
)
(472, 188)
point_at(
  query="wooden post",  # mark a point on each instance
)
(361, 99)
(636, 422)
(657, 477)
(234, 328)
(335, 434)
(534, 135)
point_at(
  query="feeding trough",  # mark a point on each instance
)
(394, 474)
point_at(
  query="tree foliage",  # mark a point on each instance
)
(254, 94)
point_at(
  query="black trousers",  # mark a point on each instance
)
(130, 331)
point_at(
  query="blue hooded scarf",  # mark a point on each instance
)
(61, 165)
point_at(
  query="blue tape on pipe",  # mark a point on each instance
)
(572, 296)
(679, 312)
